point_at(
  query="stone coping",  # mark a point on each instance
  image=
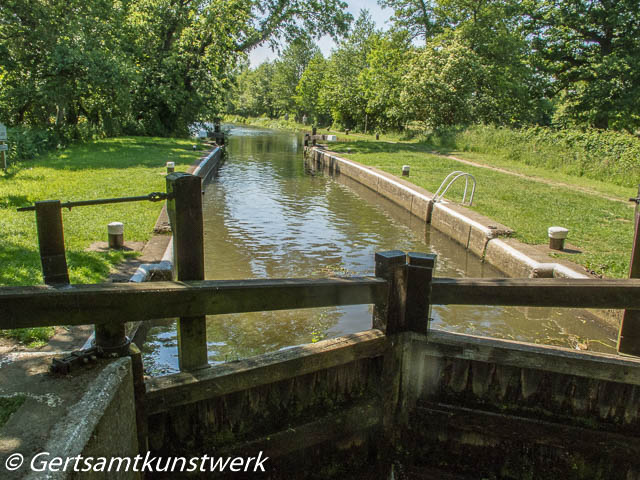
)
(483, 236)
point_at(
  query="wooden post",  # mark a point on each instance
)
(385, 266)
(185, 213)
(51, 242)
(139, 393)
(629, 337)
(420, 268)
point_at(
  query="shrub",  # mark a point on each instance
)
(605, 155)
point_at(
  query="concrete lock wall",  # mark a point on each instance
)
(477, 233)
(480, 235)
(102, 423)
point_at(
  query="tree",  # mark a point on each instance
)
(415, 16)
(151, 67)
(252, 95)
(592, 50)
(288, 71)
(441, 84)
(381, 82)
(308, 91)
(341, 93)
(63, 59)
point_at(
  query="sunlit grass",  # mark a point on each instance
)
(602, 229)
(108, 168)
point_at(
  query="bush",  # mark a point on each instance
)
(604, 155)
(28, 143)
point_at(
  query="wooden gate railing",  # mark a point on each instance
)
(395, 297)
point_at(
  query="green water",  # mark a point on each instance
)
(267, 216)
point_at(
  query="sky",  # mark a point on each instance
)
(379, 15)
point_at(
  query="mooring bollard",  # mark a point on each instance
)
(405, 170)
(557, 236)
(171, 167)
(115, 231)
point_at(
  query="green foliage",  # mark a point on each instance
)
(151, 67)
(592, 49)
(308, 91)
(341, 93)
(9, 405)
(441, 84)
(287, 73)
(382, 82)
(417, 17)
(32, 337)
(252, 95)
(608, 156)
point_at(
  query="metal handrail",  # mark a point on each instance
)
(151, 197)
(458, 173)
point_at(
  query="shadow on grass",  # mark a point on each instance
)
(21, 266)
(14, 201)
(120, 154)
(370, 146)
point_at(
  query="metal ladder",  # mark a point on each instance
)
(456, 175)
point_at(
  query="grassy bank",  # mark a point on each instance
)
(568, 178)
(101, 169)
(601, 228)
(612, 157)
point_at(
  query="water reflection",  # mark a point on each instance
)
(266, 217)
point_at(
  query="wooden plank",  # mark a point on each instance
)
(332, 427)
(51, 242)
(600, 366)
(420, 268)
(387, 306)
(171, 391)
(537, 292)
(629, 336)
(86, 304)
(522, 430)
(184, 207)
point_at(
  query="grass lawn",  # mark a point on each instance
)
(108, 168)
(601, 228)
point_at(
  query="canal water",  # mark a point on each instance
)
(268, 216)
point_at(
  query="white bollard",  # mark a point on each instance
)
(557, 236)
(405, 170)
(116, 235)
